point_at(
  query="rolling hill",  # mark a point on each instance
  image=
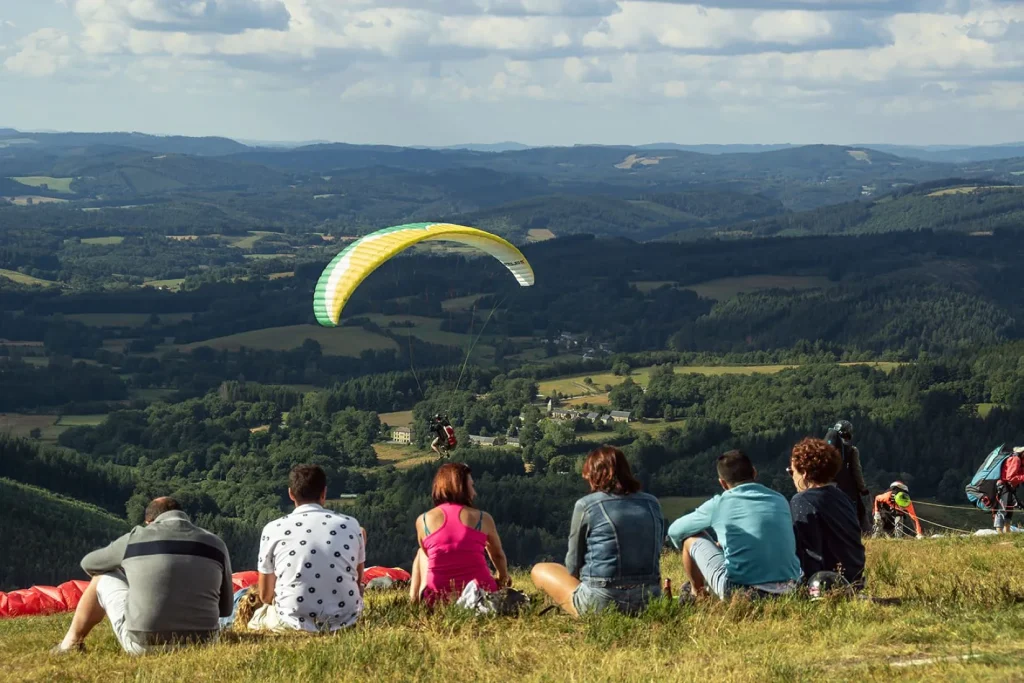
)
(54, 533)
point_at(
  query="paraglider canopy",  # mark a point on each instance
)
(350, 267)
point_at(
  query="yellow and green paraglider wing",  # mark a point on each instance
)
(349, 268)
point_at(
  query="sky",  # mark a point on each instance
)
(541, 72)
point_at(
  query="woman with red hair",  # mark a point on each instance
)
(453, 538)
(615, 542)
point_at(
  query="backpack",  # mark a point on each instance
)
(982, 489)
(449, 435)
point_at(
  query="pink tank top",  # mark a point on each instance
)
(455, 556)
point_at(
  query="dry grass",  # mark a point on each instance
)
(33, 200)
(173, 285)
(462, 303)
(959, 619)
(539, 235)
(335, 341)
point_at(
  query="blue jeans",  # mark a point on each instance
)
(588, 598)
(710, 560)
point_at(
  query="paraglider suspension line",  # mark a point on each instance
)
(472, 346)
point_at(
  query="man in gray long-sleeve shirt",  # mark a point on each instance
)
(161, 584)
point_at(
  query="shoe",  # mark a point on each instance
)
(60, 651)
(686, 596)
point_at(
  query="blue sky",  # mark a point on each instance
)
(536, 71)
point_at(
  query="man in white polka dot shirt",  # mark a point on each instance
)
(311, 562)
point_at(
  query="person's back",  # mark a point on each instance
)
(178, 574)
(455, 553)
(827, 533)
(754, 527)
(619, 539)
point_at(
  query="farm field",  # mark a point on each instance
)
(339, 341)
(400, 419)
(52, 184)
(50, 426)
(576, 385)
(112, 239)
(173, 285)
(250, 240)
(124, 319)
(21, 278)
(402, 457)
(462, 303)
(429, 330)
(33, 200)
(727, 288)
(674, 507)
(539, 235)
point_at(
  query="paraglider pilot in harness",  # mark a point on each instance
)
(444, 435)
(892, 508)
(850, 479)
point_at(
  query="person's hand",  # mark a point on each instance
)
(504, 581)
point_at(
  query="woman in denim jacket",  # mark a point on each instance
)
(615, 543)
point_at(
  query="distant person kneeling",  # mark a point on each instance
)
(310, 563)
(161, 585)
(615, 541)
(754, 549)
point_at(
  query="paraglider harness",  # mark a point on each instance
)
(987, 489)
(445, 435)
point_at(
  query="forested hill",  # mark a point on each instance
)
(959, 205)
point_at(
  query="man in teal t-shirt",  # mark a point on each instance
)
(753, 527)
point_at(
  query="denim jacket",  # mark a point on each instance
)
(616, 540)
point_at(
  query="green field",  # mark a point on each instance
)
(958, 619)
(52, 184)
(128, 320)
(674, 507)
(337, 341)
(25, 279)
(250, 240)
(51, 426)
(113, 239)
(727, 288)
(462, 303)
(267, 257)
(400, 419)
(576, 385)
(80, 420)
(429, 330)
(173, 285)
(152, 395)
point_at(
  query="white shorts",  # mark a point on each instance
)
(112, 592)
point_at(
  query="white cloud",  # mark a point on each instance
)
(42, 53)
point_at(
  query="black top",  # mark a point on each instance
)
(827, 533)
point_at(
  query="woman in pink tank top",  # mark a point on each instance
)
(454, 538)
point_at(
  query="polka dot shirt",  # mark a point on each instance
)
(314, 553)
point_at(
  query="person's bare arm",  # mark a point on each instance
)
(267, 584)
(496, 552)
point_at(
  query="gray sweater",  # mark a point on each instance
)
(179, 578)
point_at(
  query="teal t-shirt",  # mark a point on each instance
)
(754, 526)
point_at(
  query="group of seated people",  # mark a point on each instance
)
(169, 582)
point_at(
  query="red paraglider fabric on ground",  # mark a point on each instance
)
(242, 580)
(393, 573)
(65, 597)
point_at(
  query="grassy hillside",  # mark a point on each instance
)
(959, 620)
(58, 531)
